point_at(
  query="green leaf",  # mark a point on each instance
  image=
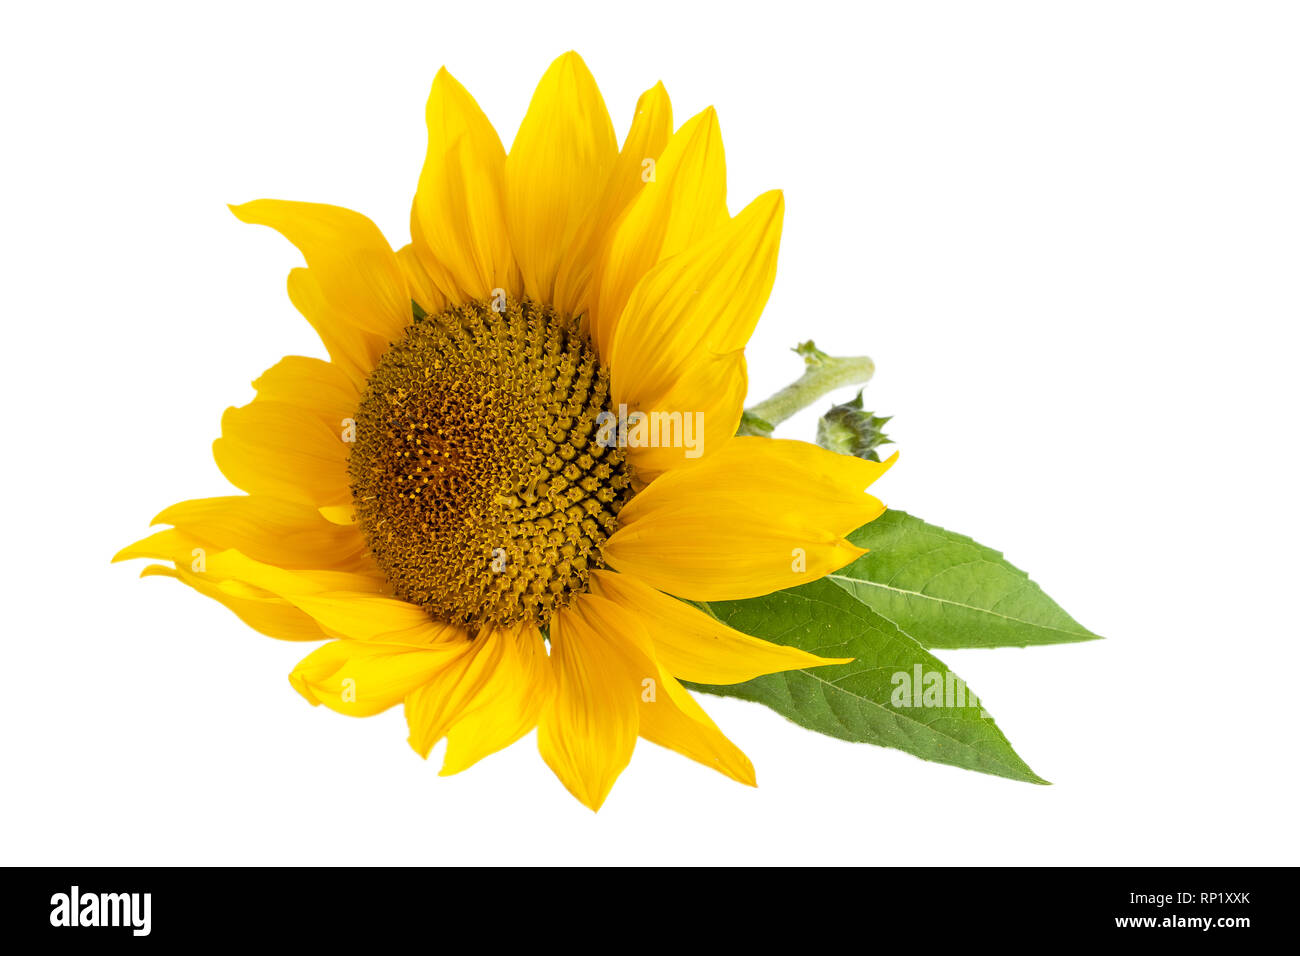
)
(864, 701)
(850, 430)
(944, 590)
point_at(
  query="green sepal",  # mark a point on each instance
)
(850, 430)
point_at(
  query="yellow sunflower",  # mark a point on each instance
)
(463, 503)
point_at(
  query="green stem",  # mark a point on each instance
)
(822, 374)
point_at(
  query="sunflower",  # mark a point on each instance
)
(456, 501)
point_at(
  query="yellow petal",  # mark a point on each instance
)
(556, 170)
(266, 613)
(758, 515)
(361, 678)
(291, 442)
(696, 647)
(310, 383)
(280, 450)
(226, 568)
(666, 713)
(703, 302)
(434, 706)
(339, 514)
(518, 686)
(352, 292)
(679, 346)
(284, 533)
(588, 729)
(708, 402)
(326, 596)
(426, 295)
(353, 350)
(169, 545)
(283, 451)
(458, 224)
(686, 201)
(671, 718)
(484, 701)
(652, 125)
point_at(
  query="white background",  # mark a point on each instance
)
(1067, 233)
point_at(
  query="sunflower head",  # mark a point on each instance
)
(438, 504)
(480, 486)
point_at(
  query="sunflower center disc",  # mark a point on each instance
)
(477, 479)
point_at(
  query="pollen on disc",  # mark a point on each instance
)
(478, 483)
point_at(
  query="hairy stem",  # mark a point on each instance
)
(822, 374)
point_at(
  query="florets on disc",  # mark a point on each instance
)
(478, 481)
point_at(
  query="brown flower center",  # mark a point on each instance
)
(478, 481)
